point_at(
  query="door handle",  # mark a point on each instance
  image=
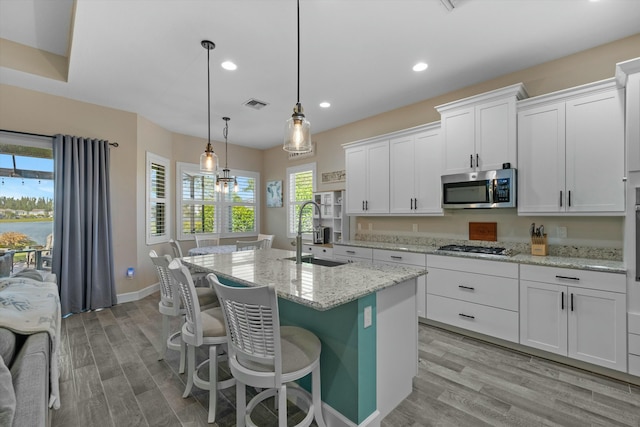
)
(569, 197)
(477, 161)
(470, 160)
(560, 198)
(572, 301)
(562, 301)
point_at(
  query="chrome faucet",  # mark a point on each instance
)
(299, 236)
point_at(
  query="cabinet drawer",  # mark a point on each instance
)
(471, 265)
(319, 251)
(634, 323)
(491, 321)
(634, 365)
(400, 257)
(353, 251)
(500, 292)
(571, 277)
(634, 344)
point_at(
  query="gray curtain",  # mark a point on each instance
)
(83, 254)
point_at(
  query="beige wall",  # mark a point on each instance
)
(580, 68)
(29, 111)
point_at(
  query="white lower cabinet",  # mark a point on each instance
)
(478, 295)
(634, 343)
(320, 252)
(407, 258)
(567, 312)
(352, 253)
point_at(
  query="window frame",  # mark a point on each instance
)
(291, 171)
(152, 158)
(220, 204)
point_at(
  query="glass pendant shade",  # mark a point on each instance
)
(209, 160)
(297, 132)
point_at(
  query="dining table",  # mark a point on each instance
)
(217, 249)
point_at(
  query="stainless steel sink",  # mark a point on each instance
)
(323, 262)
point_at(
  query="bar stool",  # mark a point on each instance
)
(268, 356)
(169, 306)
(201, 328)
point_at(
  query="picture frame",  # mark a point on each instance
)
(274, 194)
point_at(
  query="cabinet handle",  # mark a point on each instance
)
(569, 197)
(411, 204)
(363, 205)
(562, 301)
(470, 160)
(395, 257)
(477, 161)
(350, 252)
(567, 277)
(366, 205)
(560, 198)
(467, 288)
(415, 203)
(571, 301)
(466, 316)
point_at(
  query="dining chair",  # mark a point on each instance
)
(269, 239)
(247, 245)
(197, 276)
(265, 355)
(170, 306)
(201, 328)
(175, 247)
(208, 240)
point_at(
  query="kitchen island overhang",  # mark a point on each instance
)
(366, 371)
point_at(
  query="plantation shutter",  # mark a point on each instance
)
(157, 199)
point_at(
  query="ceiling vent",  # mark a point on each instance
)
(255, 104)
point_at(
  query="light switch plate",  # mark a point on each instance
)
(367, 316)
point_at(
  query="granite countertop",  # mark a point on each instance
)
(315, 286)
(594, 264)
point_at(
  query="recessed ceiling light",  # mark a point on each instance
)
(325, 104)
(420, 66)
(228, 65)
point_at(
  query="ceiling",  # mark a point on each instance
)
(145, 56)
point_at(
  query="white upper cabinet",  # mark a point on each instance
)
(367, 165)
(415, 167)
(628, 76)
(571, 152)
(480, 132)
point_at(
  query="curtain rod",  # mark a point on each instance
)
(113, 144)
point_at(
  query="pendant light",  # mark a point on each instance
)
(224, 182)
(208, 159)
(297, 130)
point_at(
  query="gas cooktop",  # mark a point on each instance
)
(474, 249)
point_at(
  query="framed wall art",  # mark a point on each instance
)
(274, 194)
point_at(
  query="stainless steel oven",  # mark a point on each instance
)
(637, 234)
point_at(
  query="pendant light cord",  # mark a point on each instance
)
(298, 51)
(225, 132)
(208, 99)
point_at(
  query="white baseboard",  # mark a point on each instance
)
(333, 418)
(138, 295)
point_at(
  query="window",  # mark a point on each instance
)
(300, 187)
(157, 198)
(26, 194)
(203, 211)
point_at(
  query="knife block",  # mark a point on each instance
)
(539, 245)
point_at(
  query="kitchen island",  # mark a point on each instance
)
(364, 315)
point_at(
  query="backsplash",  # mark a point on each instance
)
(613, 254)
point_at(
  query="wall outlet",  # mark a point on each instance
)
(561, 232)
(367, 316)
(415, 228)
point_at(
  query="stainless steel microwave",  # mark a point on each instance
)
(484, 190)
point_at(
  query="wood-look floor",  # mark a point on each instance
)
(110, 375)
